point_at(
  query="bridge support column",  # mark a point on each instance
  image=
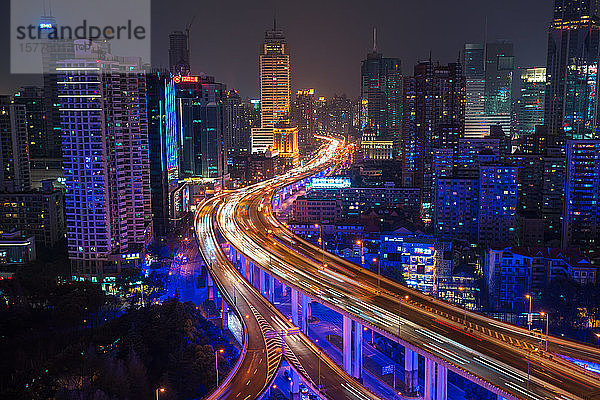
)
(233, 256)
(441, 391)
(429, 379)
(305, 302)
(271, 289)
(243, 267)
(261, 284)
(294, 385)
(283, 289)
(411, 370)
(347, 345)
(358, 351)
(225, 314)
(294, 307)
(211, 288)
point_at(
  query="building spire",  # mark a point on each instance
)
(374, 40)
(274, 20)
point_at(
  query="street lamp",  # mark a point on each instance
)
(321, 243)
(159, 390)
(400, 317)
(217, 363)
(378, 271)
(529, 318)
(547, 325)
(461, 289)
(317, 341)
(598, 336)
(362, 258)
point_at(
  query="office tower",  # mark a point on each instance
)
(285, 139)
(304, 116)
(163, 151)
(553, 192)
(475, 126)
(14, 147)
(439, 110)
(412, 168)
(179, 53)
(201, 103)
(499, 65)
(274, 91)
(241, 117)
(339, 116)
(105, 156)
(469, 150)
(581, 218)
(381, 98)
(457, 208)
(530, 106)
(32, 98)
(571, 106)
(497, 219)
(274, 79)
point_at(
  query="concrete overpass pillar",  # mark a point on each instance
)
(233, 256)
(283, 289)
(347, 345)
(305, 302)
(261, 284)
(411, 370)
(243, 267)
(358, 351)
(271, 289)
(429, 379)
(294, 307)
(441, 392)
(211, 288)
(294, 385)
(225, 314)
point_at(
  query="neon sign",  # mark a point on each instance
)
(185, 79)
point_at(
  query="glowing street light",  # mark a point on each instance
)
(529, 317)
(159, 390)
(217, 363)
(542, 313)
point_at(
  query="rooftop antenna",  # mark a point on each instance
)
(485, 39)
(188, 27)
(374, 40)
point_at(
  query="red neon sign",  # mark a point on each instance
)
(185, 79)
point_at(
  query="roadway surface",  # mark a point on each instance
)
(496, 355)
(261, 357)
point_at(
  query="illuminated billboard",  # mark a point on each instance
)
(335, 182)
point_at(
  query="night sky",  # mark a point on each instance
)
(329, 38)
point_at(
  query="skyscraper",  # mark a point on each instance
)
(179, 53)
(14, 147)
(105, 156)
(571, 106)
(381, 98)
(499, 65)
(274, 79)
(201, 103)
(241, 117)
(32, 98)
(497, 217)
(530, 106)
(475, 126)
(304, 116)
(163, 150)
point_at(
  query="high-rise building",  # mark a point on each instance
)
(457, 208)
(14, 147)
(33, 99)
(304, 116)
(274, 79)
(241, 117)
(499, 66)
(179, 53)
(201, 103)
(473, 55)
(530, 105)
(339, 116)
(581, 219)
(381, 98)
(497, 217)
(163, 151)
(105, 156)
(571, 106)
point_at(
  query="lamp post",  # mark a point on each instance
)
(159, 390)
(378, 272)
(547, 325)
(529, 319)
(217, 363)
(598, 336)
(461, 289)
(362, 258)
(317, 341)
(321, 243)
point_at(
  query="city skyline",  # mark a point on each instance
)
(348, 30)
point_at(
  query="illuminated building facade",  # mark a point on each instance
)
(201, 107)
(106, 161)
(530, 106)
(499, 66)
(475, 126)
(581, 219)
(274, 79)
(381, 98)
(286, 143)
(456, 207)
(304, 116)
(571, 106)
(14, 147)
(164, 149)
